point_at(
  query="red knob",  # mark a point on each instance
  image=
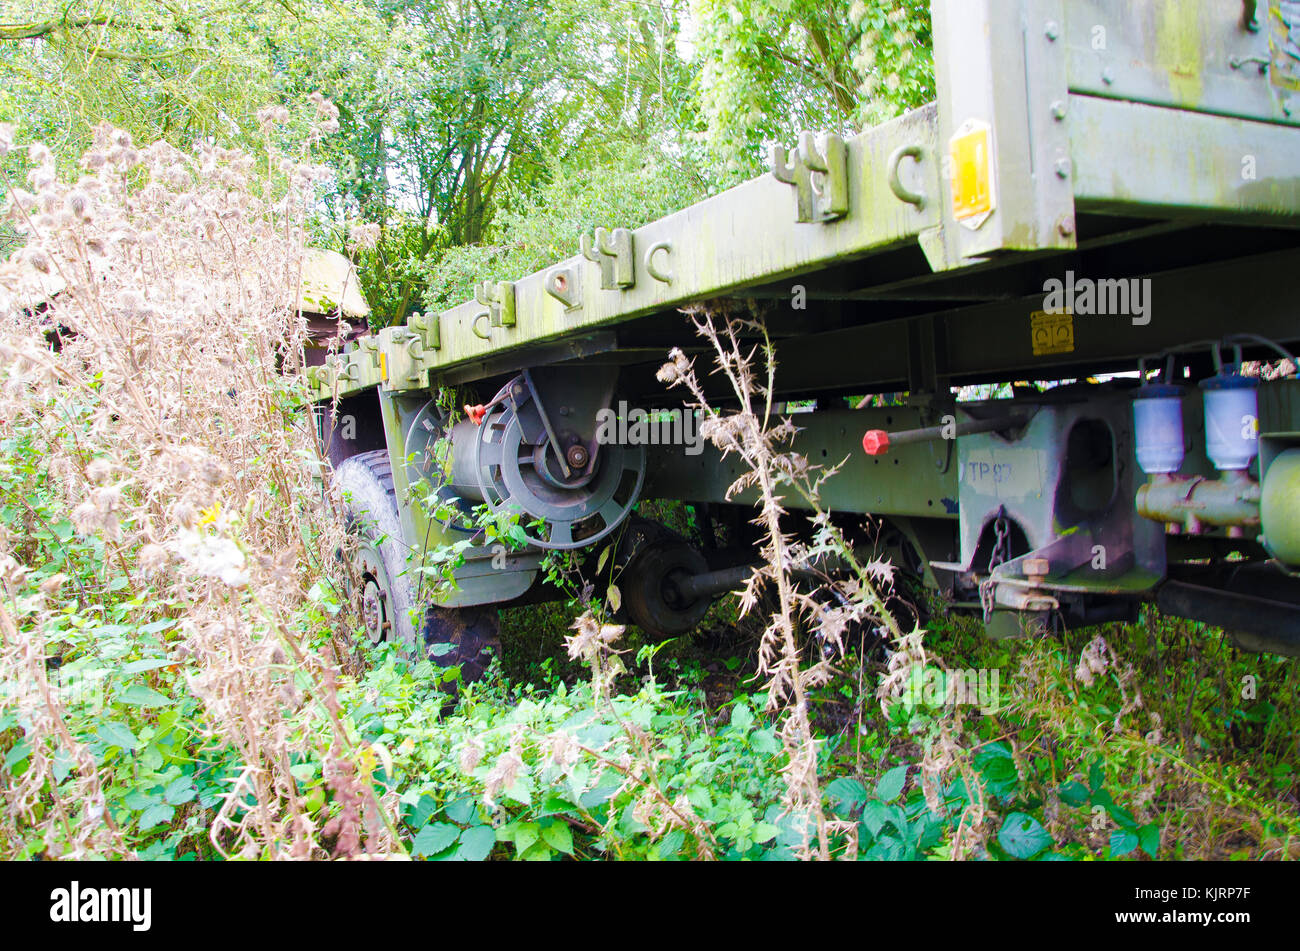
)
(476, 413)
(875, 442)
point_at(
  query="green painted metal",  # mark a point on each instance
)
(489, 574)
(916, 480)
(1280, 508)
(718, 246)
(1140, 159)
(1201, 55)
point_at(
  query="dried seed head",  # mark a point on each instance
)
(152, 557)
(51, 585)
(471, 754)
(99, 470)
(11, 571)
(38, 259)
(78, 203)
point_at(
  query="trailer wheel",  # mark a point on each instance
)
(388, 597)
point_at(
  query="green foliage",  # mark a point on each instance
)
(545, 799)
(631, 186)
(770, 68)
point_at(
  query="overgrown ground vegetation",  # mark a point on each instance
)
(180, 676)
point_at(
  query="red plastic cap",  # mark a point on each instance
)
(476, 413)
(875, 442)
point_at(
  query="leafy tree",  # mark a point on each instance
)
(769, 68)
(159, 69)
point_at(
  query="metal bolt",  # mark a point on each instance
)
(1063, 168)
(1053, 30)
(1066, 225)
(577, 456)
(1035, 568)
(1108, 76)
(1058, 109)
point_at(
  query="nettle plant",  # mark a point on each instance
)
(167, 536)
(576, 770)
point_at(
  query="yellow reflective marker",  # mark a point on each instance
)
(970, 155)
(383, 366)
(1051, 333)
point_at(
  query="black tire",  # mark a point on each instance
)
(370, 500)
(366, 483)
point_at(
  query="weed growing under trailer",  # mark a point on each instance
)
(1101, 186)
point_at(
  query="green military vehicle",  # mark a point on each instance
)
(1105, 197)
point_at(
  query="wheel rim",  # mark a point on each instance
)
(373, 611)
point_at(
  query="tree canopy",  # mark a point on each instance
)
(473, 133)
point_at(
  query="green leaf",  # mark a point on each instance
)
(891, 784)
(874, 816)
(671, 844)
(180, 792)
(998, 768)
(845, 795)
(117, 733)
(476, 844)
(156, 815)
(525, 834)
(1074, 793)
(142, 696)
(537, 852)
(21, 750)
(1149, 838)
(1023, 836)
(888, 849)
(742, 718)
(598, 796)
(764, 741)
(138, 801)
(764, 832)
(434, 838)
(558, 837)
(1123, 841)
(462, 810)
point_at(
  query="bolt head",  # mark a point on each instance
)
(1063, 168)
(875, 442)
(1058, 109)
(1035, 567)
(1052, 30)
